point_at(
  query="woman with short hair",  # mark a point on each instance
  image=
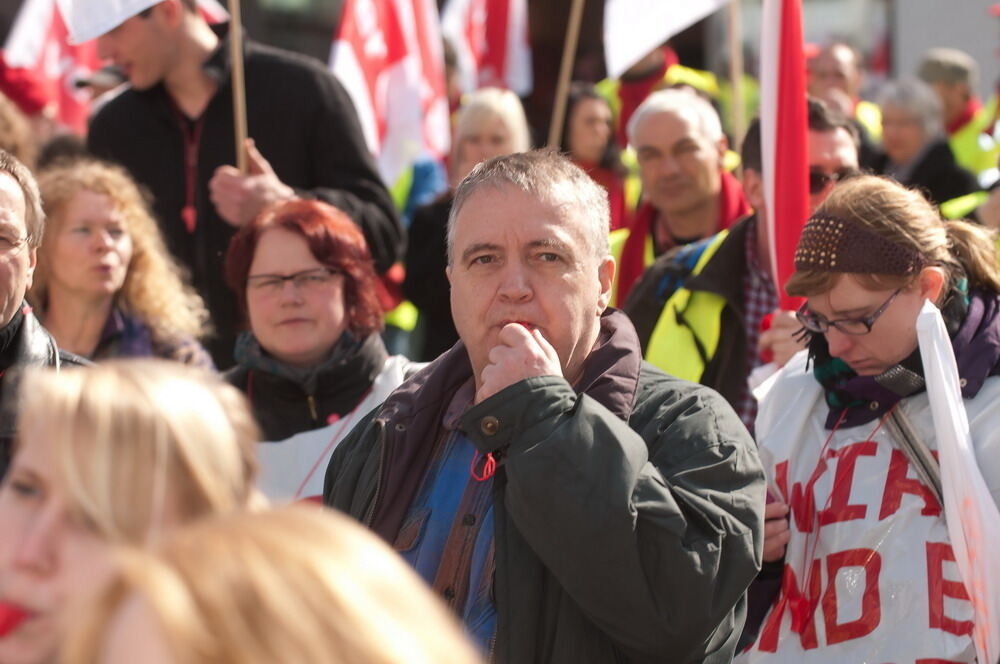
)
(915, 149)
(839, 429)
(299, 584)
(312, 362)
(115, 454)
(105, 285)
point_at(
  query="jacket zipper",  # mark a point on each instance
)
(378, 476)
(312, 406)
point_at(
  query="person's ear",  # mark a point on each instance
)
(753, 187)
(931, 283)
(606, 276)
(32, 263)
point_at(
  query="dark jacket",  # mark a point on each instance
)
(426, 284)
(303, 123)
(726, 370)
(286, 402)
(937, 174)
(627, 518)
(32, 346)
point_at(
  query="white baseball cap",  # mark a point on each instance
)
(89, 19)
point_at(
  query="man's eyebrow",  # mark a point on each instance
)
(550, 243)
(479, 247)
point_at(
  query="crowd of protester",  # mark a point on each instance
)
(576, 453)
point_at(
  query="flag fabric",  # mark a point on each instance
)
(39, 43)
(784, 135)
(633, 28)
(970, 513)
(491, 44)
(388, 55)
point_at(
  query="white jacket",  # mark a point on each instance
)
(869, 570)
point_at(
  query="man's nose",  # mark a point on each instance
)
(104, 48)
(515, 285)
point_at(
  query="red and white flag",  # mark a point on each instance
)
(38, 42)
(784, 135)
(491, 44)
(633, 28)
(388, 55)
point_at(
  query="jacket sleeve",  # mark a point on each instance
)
(346, 175)
(656, 543)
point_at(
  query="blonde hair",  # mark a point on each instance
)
(298, 584)
(154, 289)
(485, 104)
(15, 132)
(906, 218)
(142, 444)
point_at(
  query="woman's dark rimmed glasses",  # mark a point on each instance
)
(819, 324)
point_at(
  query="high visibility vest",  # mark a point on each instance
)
(870, 117)
(686, 335)
(974, 148)
(963, 206)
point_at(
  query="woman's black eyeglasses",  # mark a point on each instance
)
(818, 324)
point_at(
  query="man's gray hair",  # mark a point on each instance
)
(34, 217)
(949, 65)
(918, 99)
(547, 175)
(678, 101)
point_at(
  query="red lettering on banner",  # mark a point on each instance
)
(897, 483)
(802, 611)
(839, 509)
(871, 604)
(938, 588)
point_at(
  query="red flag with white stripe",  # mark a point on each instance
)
(784, 135)
(491, 43)
(388, 56)
(38, 43)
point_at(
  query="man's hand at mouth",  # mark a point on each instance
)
(520, 353)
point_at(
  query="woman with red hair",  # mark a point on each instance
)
(312, 362)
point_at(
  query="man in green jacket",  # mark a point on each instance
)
(570, 502)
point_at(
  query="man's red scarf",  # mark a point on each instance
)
(733, 205)
(965, 117)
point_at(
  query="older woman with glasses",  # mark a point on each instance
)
(858, 540)
(312, 362)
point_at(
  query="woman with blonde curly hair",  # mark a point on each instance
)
(117, 454)
(105, 284)
(299, 584)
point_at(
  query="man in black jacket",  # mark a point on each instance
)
(173, 130)
(23, 341)
(569, 502)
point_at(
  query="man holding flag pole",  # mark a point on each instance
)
(173, 130)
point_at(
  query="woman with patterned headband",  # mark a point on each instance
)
(861, 548)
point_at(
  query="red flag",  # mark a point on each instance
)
(491, 43)
(38, 44)
(388, 56)
(784, 135)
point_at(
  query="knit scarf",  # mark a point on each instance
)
(973, 323)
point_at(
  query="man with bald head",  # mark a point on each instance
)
(687, 193)
(560, 495)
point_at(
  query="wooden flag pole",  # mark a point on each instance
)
(565, 72)
(238, 83)
(737, 102)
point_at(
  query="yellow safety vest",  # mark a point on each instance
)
(617, 244)
(974, 149)
(870, 117)
(686, 335)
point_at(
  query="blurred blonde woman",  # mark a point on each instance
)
(105, 284)
(113, 454)
(299, 584)
(490, 123)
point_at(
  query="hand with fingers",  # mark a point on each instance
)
(781, 341)
(240, 197)
(520, 353)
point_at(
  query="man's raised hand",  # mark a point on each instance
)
(520, 353)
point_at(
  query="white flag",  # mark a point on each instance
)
(633, 28)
